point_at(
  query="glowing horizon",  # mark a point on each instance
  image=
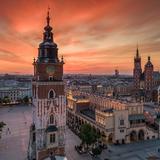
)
(94, 37)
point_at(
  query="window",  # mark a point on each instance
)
(34, 137)
(50, 78)
(52, 138)
(121, 130)
(51, 94)
(121, 122)
(52, 119)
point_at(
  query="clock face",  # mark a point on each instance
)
(50, 69)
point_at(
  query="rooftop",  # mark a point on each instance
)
(89, 113)
(110, 110)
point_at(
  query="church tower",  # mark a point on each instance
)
(47, 137)
(137, 70)
(148, 72)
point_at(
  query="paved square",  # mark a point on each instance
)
(14, 145)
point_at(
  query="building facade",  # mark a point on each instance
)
(47, 135)
(14, 94)
(115, 120)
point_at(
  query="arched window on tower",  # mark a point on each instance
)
(51, 119)
(51, 94)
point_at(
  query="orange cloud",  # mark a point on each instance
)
(94, 36)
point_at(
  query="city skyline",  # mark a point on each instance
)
(97, 40)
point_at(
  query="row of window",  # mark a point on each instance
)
(51, 94)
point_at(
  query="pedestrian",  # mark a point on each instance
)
(7, 132)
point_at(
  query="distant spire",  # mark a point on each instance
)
(48, 18)
(137, 54)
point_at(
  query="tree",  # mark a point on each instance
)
(6, 100)
(26, 99)
(19, 100)
(97, 151)
(2, 124)
(88, 134)
(0, 100)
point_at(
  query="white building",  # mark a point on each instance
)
(15, 93)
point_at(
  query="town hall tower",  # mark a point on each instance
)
(47, 136)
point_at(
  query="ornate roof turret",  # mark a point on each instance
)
(149, 63)
(34, 60)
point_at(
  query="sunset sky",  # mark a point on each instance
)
(94, 36)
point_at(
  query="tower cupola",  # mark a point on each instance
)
(48, 51)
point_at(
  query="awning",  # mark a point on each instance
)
(57, 158)
(51, 128)
(136, 117)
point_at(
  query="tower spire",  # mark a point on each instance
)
(48, 35)
(48, 17)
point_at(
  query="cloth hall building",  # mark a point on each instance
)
(115, 120)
